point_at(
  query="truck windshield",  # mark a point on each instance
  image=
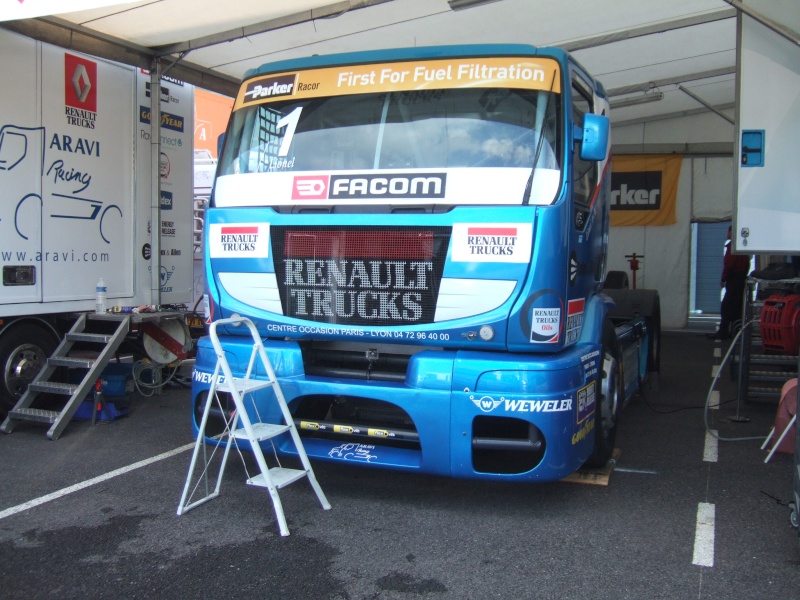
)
(418, 129)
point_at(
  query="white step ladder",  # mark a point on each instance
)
(238, 425)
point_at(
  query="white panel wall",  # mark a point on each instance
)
(768, 210)
(665, 266)
(692, 129)
(705, 193)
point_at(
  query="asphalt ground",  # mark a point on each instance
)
(93, 515)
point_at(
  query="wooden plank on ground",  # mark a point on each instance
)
(599, 476)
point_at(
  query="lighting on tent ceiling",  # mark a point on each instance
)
(644, 99)
(462, 4)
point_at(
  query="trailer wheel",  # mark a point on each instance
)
(24, 349)
(608, 402)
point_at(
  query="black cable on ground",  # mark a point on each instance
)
(711, 390)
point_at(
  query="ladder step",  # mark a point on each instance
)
(764, 392)
(771, 376)
(245, 385)
(54, 387)
(263, 431)
(34, 414)
(97, 338)
(280, 477)
(71, 362)
(773, 359)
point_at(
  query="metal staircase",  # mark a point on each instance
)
(99, 336)
(240, 425)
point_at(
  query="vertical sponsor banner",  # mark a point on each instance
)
(21, 159)
(644, 189)
(87, 176)
(176, 175)
(212, 112)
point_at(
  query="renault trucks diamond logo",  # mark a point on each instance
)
(81, 83)
(80, 91)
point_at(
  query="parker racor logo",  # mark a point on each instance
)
(269, 87)
(80, 91)
(636, 190)
(239, 240)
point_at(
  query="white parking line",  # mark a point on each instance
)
(714, 371)
(90, 482)
(713, 403)
(704, 535)
(710, 449)
(717, 352)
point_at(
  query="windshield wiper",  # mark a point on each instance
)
(526, 195)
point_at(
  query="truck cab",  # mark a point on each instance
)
(420, 237)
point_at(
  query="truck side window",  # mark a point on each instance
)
(584, 173)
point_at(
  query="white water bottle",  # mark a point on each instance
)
(100, 298)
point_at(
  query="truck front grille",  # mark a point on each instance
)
(368, 276)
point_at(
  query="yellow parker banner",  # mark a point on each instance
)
(522, 72)
(644, 189)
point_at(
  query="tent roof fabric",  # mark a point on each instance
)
(685, 49)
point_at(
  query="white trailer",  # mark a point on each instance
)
(76, 190)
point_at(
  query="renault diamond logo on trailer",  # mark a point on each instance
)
(80, 91)
(81, 83)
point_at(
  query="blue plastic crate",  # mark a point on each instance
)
(110, 410)
(117, 379)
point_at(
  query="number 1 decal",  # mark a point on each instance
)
(290, 122)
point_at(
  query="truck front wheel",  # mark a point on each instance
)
(608, 402)
(24, 349)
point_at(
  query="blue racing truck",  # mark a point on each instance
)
(419, 236)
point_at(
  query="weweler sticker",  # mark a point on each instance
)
(492, 242)
(239, 240)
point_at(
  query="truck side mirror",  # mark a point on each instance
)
(594, 142)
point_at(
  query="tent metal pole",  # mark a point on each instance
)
(706, 104)
(155, 182)
(781, 30)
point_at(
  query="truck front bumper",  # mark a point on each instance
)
(465, 414)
